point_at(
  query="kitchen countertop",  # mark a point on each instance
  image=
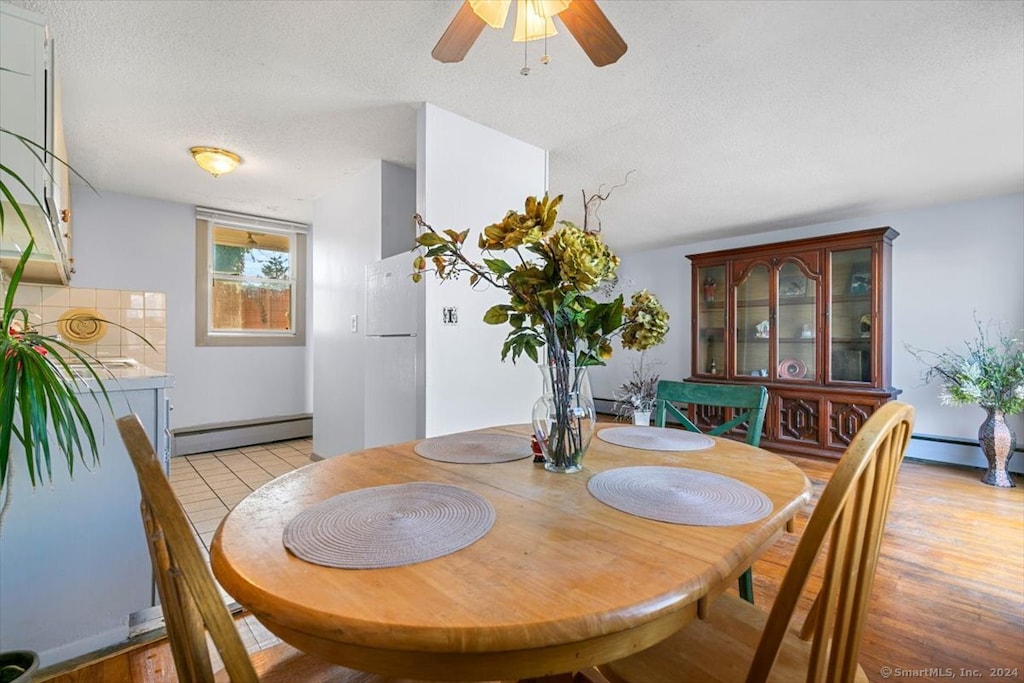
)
(120, 374)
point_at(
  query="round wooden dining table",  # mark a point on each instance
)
(559, 583)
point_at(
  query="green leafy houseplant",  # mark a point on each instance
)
(39, 393)
(550, 270)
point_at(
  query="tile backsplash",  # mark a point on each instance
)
(143, 313)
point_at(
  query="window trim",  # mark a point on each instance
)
(206, 219)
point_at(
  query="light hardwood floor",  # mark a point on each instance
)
(948, 600)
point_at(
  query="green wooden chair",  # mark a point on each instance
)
(748, 404)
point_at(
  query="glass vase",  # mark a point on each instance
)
(563, 417)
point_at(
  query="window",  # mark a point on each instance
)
(250, 281)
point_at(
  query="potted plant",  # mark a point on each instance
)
(636, 398)
(39, 395)
(991, 375)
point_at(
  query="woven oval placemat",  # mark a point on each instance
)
(680, 495)
(479, 449)
(389, 526)
(655, 438)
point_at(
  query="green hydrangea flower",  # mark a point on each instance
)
(647, 322)
(583, 259)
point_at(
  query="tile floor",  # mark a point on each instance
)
(210, 484)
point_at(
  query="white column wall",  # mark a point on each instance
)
(468, 176)
(346, 236)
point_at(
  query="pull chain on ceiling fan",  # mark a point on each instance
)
(583, 19)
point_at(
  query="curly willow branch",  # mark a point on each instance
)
(593, 203)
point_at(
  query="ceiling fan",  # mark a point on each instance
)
(583, 18)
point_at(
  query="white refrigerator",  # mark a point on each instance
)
(394, 344)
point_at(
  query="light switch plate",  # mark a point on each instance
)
(449, 315)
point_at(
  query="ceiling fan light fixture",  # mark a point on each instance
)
(583, 19)
(493, 12)
(531, 24)
(214, 160)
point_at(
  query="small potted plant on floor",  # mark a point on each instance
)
(636, 398)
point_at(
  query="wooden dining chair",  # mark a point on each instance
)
(191, 602)
(748, 404)
(741, 642)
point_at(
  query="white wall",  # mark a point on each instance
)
(468, 176)
(346, 236)
(950, 261)
(398, 204)
(127, 242)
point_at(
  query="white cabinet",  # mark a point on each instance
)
(74, 564)
(30, 107)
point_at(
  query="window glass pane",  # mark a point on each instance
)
(852, 315)
(240, 306)
(796, 329)
(711, 321)
(251, 253)
(752, 323)
(251, 284)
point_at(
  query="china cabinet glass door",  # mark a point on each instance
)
(852, 317)
(753, 326)
(796, 325)
(710, 350)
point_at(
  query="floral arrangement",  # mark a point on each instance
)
(547, 287)
(639, 394)
(555, 269)
(990, 374)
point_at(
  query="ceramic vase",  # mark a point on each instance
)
(564, 417)
(18, 666)
(642, 417)
(997, 441)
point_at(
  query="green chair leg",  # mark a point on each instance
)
(747, 586)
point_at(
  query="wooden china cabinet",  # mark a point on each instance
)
(811, 320)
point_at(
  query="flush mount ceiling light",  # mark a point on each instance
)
(583, 18)
(214, 160)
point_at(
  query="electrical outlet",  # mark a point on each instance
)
(355, 323)
(449, 315)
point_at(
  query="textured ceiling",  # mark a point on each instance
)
(737, 117)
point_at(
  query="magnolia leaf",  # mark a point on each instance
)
(613, 316)
(497, 266)
(429, 239)
(496, 315)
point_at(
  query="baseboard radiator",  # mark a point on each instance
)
(223, 435)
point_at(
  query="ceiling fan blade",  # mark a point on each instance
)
(459, 36)
(592, 30)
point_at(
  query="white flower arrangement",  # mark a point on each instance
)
(639, 394)
(990, 374)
